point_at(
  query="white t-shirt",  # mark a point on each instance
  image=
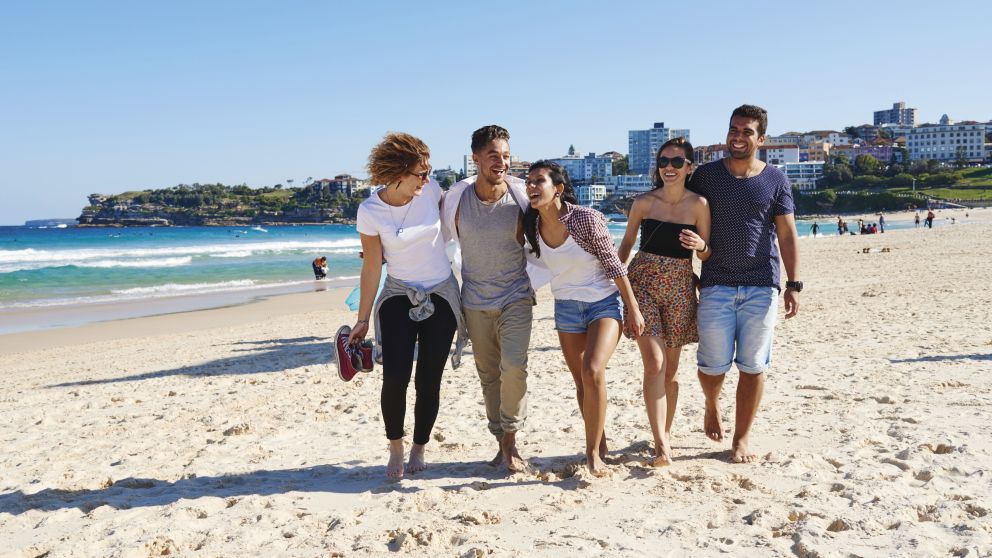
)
(411, 236)
(578, 275)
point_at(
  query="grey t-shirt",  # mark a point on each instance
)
(494, 268)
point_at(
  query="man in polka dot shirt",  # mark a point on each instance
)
(752, 210)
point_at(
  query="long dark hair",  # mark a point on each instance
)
(559, 176)
(677, 142)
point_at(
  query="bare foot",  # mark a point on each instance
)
(394, 468)
(494, 462)
(662, 454)
(603, 450)
(739, 452)
(511, 458)
(712, 424)
(595, 465)
(416, 462)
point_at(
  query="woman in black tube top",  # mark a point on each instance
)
(673, 223)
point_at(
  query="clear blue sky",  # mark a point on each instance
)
(114, 96)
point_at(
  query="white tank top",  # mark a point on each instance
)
(578, 275)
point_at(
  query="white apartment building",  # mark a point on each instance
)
(803, 175)
(587, 170)
(468, 166)
(943, 142)
(898, 114)
(628, 185)
(591, 194)
(779, 154)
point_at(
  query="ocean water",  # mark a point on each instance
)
(45, 267)
(54, 275)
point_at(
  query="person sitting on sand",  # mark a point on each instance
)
(673, 223)
(419, 304)
(319, 266)
(588, 281)
(752, 207)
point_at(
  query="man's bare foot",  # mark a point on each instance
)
(595, 465)
(394, 468)
(494, 462)
(712, 424)
(739, 452)
(511, 458)
(416, 462)
(662, 454)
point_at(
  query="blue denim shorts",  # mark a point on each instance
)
(574, 316)
(736, 325)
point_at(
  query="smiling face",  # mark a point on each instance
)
(669, 174)
(541, 189)
(493, 161)
(743, 139)
(413, 182)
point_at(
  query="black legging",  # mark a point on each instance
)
(399, 334)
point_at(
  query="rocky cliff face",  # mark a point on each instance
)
(107, 212)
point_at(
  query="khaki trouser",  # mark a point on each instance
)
(500, 339)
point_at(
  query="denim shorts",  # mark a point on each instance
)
(574, 316)
(741, 318)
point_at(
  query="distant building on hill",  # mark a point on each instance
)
(344, 183)
(779, 154)
(947, 141)
(590, 194)
(898, 114)
(709, 153)
(629, 185)
(468, 166)
(803, 175)
(643, 145)
(883, 153)
(519, 168)
(588, 169)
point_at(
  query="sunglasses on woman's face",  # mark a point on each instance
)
(422, 175)
(676, 162)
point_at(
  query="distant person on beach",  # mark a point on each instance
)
(483, 214)
(916, 220)
(814, 228)
(319, 266)
(881, 223)
(674, 223)
(588, 282)
(419, 304)
(930, 218)
(752, 207)
(840, 226)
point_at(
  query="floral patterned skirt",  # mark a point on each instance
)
(666, 297)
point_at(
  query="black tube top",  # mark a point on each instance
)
(661, 238)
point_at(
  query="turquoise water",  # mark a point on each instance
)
(51, 266)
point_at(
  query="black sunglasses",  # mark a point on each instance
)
(676, 162)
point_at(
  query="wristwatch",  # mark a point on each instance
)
(794, 285)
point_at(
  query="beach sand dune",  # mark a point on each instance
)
(238, 438)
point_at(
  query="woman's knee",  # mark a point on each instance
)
(593, 374)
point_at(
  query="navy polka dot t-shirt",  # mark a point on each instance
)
(742, 236)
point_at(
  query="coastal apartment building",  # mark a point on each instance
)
(883, 153)
(946, 140)
(779, 154)
(589, 169)
(468, 166)
(343, 183)
(898, 114)
(643, 145)
(803, 175)
(590, 194)
(632, 184)
(709, 153)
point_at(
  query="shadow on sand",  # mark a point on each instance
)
(287, 353)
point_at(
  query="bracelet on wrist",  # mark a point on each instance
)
(366, 322)
(706, 247)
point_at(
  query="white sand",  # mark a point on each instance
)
(228, 433)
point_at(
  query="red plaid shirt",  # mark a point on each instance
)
(588, 227)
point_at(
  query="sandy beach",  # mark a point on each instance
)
(227, 432)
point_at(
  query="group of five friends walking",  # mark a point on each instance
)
(735, 214)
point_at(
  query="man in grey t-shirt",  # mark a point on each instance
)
(497, 297)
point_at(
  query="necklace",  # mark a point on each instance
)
(392, 217)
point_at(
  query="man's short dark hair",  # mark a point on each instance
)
(486, 134)
(753, 112)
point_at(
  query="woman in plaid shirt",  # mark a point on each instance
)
(588, 282)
